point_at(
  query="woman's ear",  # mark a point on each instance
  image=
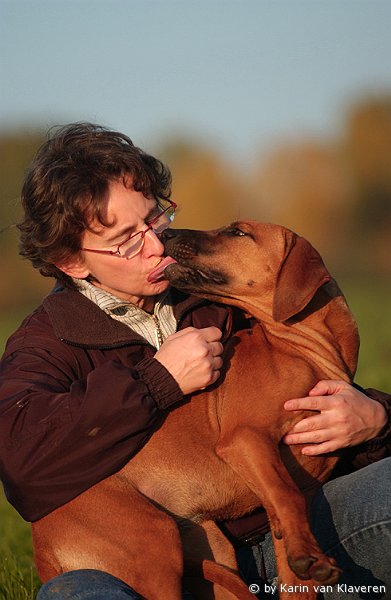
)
(74, 267)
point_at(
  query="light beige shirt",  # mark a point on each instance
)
(153, 327)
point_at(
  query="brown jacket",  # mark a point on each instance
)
(69, 372)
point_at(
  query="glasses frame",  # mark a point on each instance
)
(117, 252)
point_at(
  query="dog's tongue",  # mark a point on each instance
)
(158, 272)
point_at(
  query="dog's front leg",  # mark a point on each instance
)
(254, 456)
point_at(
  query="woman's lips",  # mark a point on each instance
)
(158, 272)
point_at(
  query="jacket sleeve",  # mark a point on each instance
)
(378, 447)
(373, 450)
(60, 435)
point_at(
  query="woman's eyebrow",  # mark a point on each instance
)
(127, 229)
(121, 233)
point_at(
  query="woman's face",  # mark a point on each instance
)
(128, 211)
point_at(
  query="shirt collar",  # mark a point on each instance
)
(154, 328)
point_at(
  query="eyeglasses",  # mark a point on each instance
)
(135, 242)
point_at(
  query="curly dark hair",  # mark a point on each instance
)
(67, 184)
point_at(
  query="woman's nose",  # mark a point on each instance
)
(152, 243)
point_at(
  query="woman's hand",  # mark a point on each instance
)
(343, 416)
(193, 357)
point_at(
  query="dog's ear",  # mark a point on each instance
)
(301, 274)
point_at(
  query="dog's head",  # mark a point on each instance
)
(246, 263)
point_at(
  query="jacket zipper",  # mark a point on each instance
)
(159, 339)
(158, 332)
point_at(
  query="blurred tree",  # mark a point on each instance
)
(209, 193)
(368, 156)
(304, 187)
(337, 195)
(20, 284)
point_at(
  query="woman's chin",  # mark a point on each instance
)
(159, 286)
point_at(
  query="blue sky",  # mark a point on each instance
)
(237, 75)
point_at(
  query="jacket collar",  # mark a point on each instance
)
(80, 322)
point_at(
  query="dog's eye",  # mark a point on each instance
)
(235, 231)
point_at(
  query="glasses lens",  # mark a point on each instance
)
(131, 246)
(135, 243)
(164, 220)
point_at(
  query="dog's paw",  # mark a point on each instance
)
(325, 570)
(321, 568)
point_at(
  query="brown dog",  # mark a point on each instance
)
(219, 456)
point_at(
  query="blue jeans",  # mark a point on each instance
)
(351, 519)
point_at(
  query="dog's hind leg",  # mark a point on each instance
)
(211, 570)
(139, 543)
(255, 457)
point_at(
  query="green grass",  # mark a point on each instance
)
(9, 321)
(18, 578)
(371, 305)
